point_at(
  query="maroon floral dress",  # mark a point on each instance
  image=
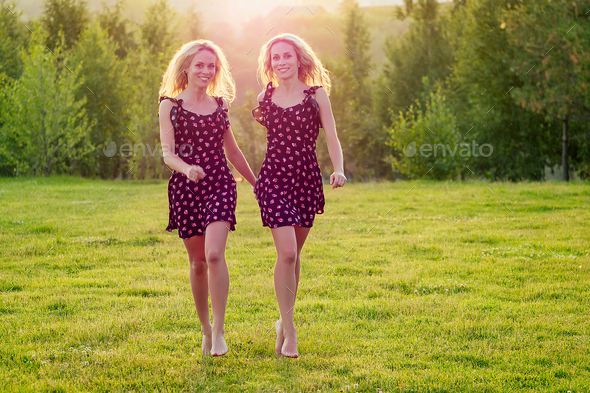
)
(289, 186)
(198, 140)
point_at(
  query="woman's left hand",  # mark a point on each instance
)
(337, 179)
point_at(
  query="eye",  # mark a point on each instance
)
(287, 56)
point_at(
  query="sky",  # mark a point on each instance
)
(234, 12)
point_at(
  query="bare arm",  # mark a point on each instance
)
(235, 155)
(337, 179)
(193, 172)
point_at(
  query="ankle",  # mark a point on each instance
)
(206, 330)
(289, 330)
(217, 332)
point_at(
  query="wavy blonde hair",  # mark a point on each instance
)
(175, 79)
(311, 72)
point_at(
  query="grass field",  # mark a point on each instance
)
(406, 287)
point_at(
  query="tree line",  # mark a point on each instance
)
(494, 89)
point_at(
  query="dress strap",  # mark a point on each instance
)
(311, 90)
(260, 110)
(314, 103)
(174, 100)
(221, 111)
(173, 110)
(269, 89)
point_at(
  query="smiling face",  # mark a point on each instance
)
(202, 68)
(284, 60)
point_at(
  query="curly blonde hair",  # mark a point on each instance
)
(175, 79)
(311, 72)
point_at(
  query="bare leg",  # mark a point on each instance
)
(215, 240)
(300, 235)
(285, 286)
(195, 246)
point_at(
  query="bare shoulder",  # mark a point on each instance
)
(321, 96)
(225, 103)
(167, 105)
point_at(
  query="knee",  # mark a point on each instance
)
(198, 266)
(214, 257)
(287, 256)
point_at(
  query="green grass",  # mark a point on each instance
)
(435, 287)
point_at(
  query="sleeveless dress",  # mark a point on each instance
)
(198, 140)
(289, 187)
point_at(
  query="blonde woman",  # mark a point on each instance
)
(289, 188)
(195, 131)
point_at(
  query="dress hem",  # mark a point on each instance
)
(232, 228)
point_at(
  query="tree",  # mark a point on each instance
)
(478, 92)
(423, 51)
(155, 31)
(427, 143)
(146, 66)
(105, 91)
(553, 63)
(46, 126)
(363, 141)
(66, 18)
(14, 40)
(13, 43)
(118, 28)
(190, 28)
(250, 136)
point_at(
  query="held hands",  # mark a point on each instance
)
(195, 173)
(337, 179)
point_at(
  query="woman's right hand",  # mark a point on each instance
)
(195, 173)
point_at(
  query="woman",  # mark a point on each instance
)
(289, 187)
(194, 131)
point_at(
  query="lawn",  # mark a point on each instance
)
(406, 287)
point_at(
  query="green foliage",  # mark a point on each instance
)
(111, 19)
(14, 40)
(479, 91)
(8, 139)
(155, 31)
(551, 57)
(66, 18)
(362, 139)
(146, 74)
(46, 128)
(424, 51)
(250, 136)
(145, 66)
(190, 27)
(106, 94)
(428, 141)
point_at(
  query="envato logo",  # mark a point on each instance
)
(139, 149)
(465, 149)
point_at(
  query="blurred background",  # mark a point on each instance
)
(79, 83)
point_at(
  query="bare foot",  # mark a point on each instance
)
(280, 338)
(218, 347)
(289, 348)
(206, 345)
